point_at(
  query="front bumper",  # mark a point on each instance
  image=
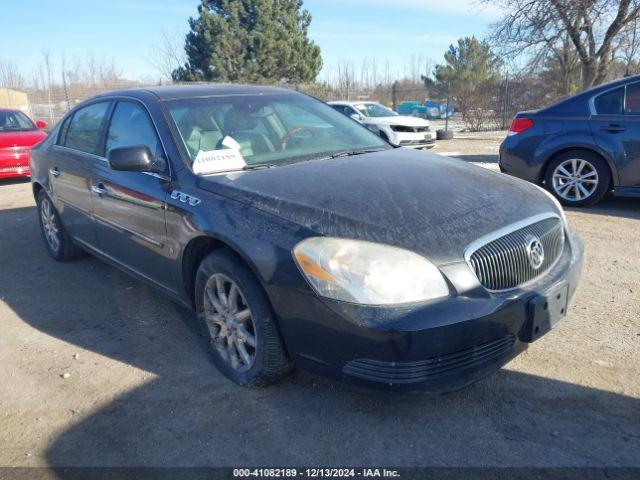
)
(413, 140)
(14, 165)
(434, 347)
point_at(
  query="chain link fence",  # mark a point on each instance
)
(50, 104)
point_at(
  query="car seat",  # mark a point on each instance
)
(240, 124)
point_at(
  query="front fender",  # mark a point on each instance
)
(264, 241)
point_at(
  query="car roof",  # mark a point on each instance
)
(174, 92)
(579, 103)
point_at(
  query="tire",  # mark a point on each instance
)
(59, 244)
(590, 188)
(268, 359)
(444, 134)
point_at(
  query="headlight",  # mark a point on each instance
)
(368, 273)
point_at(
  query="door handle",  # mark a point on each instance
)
(99, 189)
(54, 171)
(613, 127)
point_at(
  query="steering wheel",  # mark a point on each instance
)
(282, 143)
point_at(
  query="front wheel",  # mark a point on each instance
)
(237, 320)
(578, 178)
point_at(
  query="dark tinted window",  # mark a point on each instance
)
(340, 108)
(85, 127)
(130, 126)
(632, 103)
(610, 103)
(62, 136)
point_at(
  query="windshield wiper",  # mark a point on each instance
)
(258, 166)
(349, 153)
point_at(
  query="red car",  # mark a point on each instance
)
(18, 134)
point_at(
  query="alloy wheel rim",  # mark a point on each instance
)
(50, 225)
(230, 322)
(575, 179)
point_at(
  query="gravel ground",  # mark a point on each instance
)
(96, 369)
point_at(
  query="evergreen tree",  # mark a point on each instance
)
(250, 41)
(471, 76)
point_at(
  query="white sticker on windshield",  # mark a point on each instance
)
(215, 161)
(230, 142)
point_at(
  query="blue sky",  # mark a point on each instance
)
(125, 30)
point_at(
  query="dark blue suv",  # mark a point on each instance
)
(580, 148)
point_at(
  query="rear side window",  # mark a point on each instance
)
(62, 136)
(85, 128)
(610, 103)
(131, 126)
(632, 102)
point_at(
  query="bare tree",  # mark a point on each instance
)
(167, 54)
(417, 67)
(629, 47)
(10, 76)
(346, 77)
(594, 28)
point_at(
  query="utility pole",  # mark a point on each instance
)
(394, 95)
(505, 100)
(446, 112)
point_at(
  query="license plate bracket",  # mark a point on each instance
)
(545, 311)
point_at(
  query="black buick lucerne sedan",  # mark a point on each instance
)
(300, 238)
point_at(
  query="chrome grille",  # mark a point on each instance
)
(502, 263)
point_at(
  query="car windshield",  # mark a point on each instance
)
(374, 110)
(236, 131)
(14, 121)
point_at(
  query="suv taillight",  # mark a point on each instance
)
(520, 125)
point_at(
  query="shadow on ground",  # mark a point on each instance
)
(14, 181)
(187, 414)
(613, 206)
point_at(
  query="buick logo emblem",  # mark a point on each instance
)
(535, 252)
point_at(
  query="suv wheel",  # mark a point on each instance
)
(578, 178)
(237, 320)
(56, 239)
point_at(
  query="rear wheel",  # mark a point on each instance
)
(56, 239)
(237, 320)
(578, 178)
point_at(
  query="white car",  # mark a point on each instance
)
(402, 131)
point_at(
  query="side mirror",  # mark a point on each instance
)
(356, 116)
(131, 159)
(40, 125)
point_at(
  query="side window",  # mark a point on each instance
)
(131, 126)
(610, 103)
(62, 134)
(85, 128)
(340, 108)
(632, 102)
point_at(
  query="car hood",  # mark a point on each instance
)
(399, 120)
(21, 139)
(424, 202)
